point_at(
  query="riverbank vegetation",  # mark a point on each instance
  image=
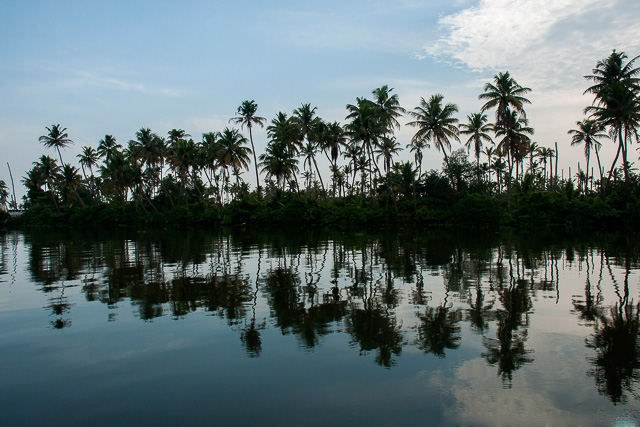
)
(494, 173)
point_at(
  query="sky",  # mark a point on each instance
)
(114, 67)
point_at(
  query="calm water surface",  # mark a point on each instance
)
(318, 327)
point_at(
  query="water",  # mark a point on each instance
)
(318, 327)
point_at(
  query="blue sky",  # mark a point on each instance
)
(113, 67)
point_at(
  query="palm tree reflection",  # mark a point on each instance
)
(508, 350)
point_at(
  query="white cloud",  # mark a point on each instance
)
(548, 46)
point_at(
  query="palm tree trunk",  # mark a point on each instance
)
(255, 162)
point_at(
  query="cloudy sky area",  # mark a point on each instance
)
(113, 67)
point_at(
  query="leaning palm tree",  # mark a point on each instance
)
(588, 133)
(56, 138)
(477, 128)
(435, 123)
(246, 116)
(618, 109)
(505, 95)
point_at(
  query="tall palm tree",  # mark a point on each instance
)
(505, 95)
(587, 133)
(435, 123)
(616, 106)
(310, 128)
(618, 109)
(365, 127)
(477, 128)
(515, 141)
(56, 138)
(246, 116)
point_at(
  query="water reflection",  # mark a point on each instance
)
(388, 291)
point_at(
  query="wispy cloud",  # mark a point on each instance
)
(67, 77)
(546, 40)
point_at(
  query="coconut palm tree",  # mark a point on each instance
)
(56, 138)
(333, 141)
(68, 181)
(515, 141)
(48, 171)
(416, 147)
(107, 147)
(311, 129)
(389, 108)
(618, 109)
(505, 95)
(435, 123)
(489, 152)
(246, 116)
(477, 128)
(232, 152)
(616, 105)
(4, 193)
(365, 127)
(587, 133)
(279, 162)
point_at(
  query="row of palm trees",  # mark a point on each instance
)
(176, 168)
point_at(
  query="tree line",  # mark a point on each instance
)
(152, 175)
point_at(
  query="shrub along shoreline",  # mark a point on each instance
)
(526, 210)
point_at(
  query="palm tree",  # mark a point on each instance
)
(4, 193)
(515, 143)
(416, 147)
(389, 108)
(365, 126)
(107, 147)
(279, 162)
(588, 133)
(616, 104)
(489, 151)
(618, 109)
(435, 123)
(334, 140)
(232, 151)
(48, 170)
(183, 157)
(56, 138)
(505, 95)
(68, 181)
(310, 128)
(477, 128)
(88, 158)
(247, 117)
